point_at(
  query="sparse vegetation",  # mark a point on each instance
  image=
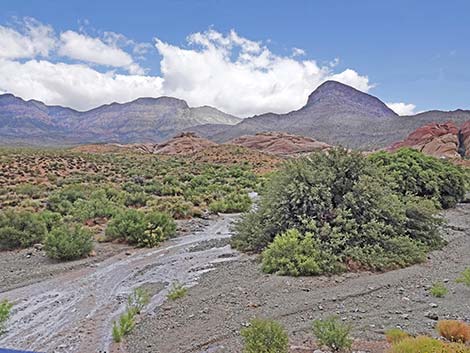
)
(334, 334)
(438, 290)
(5, 308)
(454, 330)
(464, 277)
(135, 304)
(177, 291)
(264, 336)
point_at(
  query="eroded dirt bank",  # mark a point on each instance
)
(74, 310)
(210, 317)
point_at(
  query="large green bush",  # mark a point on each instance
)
(68, 242)
(141, 229)
(345, 211)
(417, 174)
(20, 229)
(265, 336)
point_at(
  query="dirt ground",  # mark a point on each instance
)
(210, 317)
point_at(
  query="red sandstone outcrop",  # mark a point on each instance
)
(280, 143)
(438, 140)
(185, 143)
(465, 137)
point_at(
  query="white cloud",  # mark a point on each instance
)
(82, 47)
(298, 52)
(77, 86)
(29, 40)
(243, 77)
(227, 71)
(402, 108)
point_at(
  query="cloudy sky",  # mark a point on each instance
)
(245, 60)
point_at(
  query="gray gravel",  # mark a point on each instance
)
(209, 318)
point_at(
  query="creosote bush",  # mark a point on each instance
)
(454, 330)
(20, 229)
(265, 336)
(334, 334)
(141, 229)
(325, 211)
(68, 242)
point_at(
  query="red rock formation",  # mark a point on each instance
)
(185, 143)
(438, 140)
(280, 143)
(465, 137)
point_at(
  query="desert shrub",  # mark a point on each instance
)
(423, 344)
(176, 206)
(350, 208)
(425, 176)
(138, 199)
(231, 203)
(293, 254)
(61, 201)
(395, 335)
(68, 242)
(177, 291)
(30, 190)
(5, 308)
(99, 205)
(141, 229)
(438, 290)
(124, 326)
(453, 330)
(464, 277)
(265, 336)
(138, 300)
(332, 333)
(51, 219)
(20, 229)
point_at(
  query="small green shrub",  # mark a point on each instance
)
(292, 254)
(141, 229)
(68, 242)
(177, 291)
(265, 336)
(5, 308)
(20, 229)
(395, 335)
(231, 203)
(138, 300)
(464, 277)
(332, 333)
(438, 290)
(124, 326)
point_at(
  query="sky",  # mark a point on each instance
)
(243, 57)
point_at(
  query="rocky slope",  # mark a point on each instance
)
(142, 120)
(338, 115)
(438, 140)
(185, 144)
(280, 143)
(465, 138)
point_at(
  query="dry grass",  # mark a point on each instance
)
(453, 330)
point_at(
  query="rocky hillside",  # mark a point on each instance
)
(338, 115)
(185, 144)
(280, 143)
(142, 120)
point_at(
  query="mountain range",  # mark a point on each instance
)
(334, 113)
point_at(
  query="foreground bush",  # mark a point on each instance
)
(453, 330)
(141, 229)
(234, 202)
(425, 176)
(5, 308)
(345, 211)
(395, 335)
(332, 333)
(265, 336)
(68, 242)
(423, 344)
(20, 229)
